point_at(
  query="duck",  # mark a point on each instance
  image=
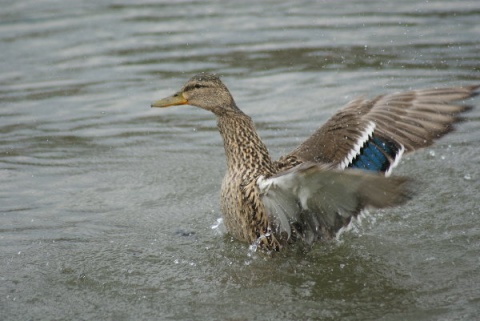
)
(341, 171)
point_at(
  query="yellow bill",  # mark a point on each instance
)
(176, 99)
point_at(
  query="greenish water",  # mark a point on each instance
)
(106, 205)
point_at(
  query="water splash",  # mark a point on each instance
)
(219, 227)
(257, 244)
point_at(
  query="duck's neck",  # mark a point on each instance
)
(244, 149)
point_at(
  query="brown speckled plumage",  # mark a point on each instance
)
(247, 158)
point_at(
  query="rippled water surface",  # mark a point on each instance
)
(106, 205)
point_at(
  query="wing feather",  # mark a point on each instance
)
(412, 119)
(316, 201)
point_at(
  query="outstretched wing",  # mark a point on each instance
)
(373, 134)
(313, 201)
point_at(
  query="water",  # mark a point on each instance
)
(106, 205)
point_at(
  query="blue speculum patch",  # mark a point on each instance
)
(375, 155)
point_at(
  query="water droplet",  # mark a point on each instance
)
(432, 153)
(252, 249)
(467, 177)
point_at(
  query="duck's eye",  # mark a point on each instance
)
(196, 86)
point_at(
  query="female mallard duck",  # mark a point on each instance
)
(315, 190)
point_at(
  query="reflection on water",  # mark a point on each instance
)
(106, 206)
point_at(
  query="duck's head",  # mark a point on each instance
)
(205, 91)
